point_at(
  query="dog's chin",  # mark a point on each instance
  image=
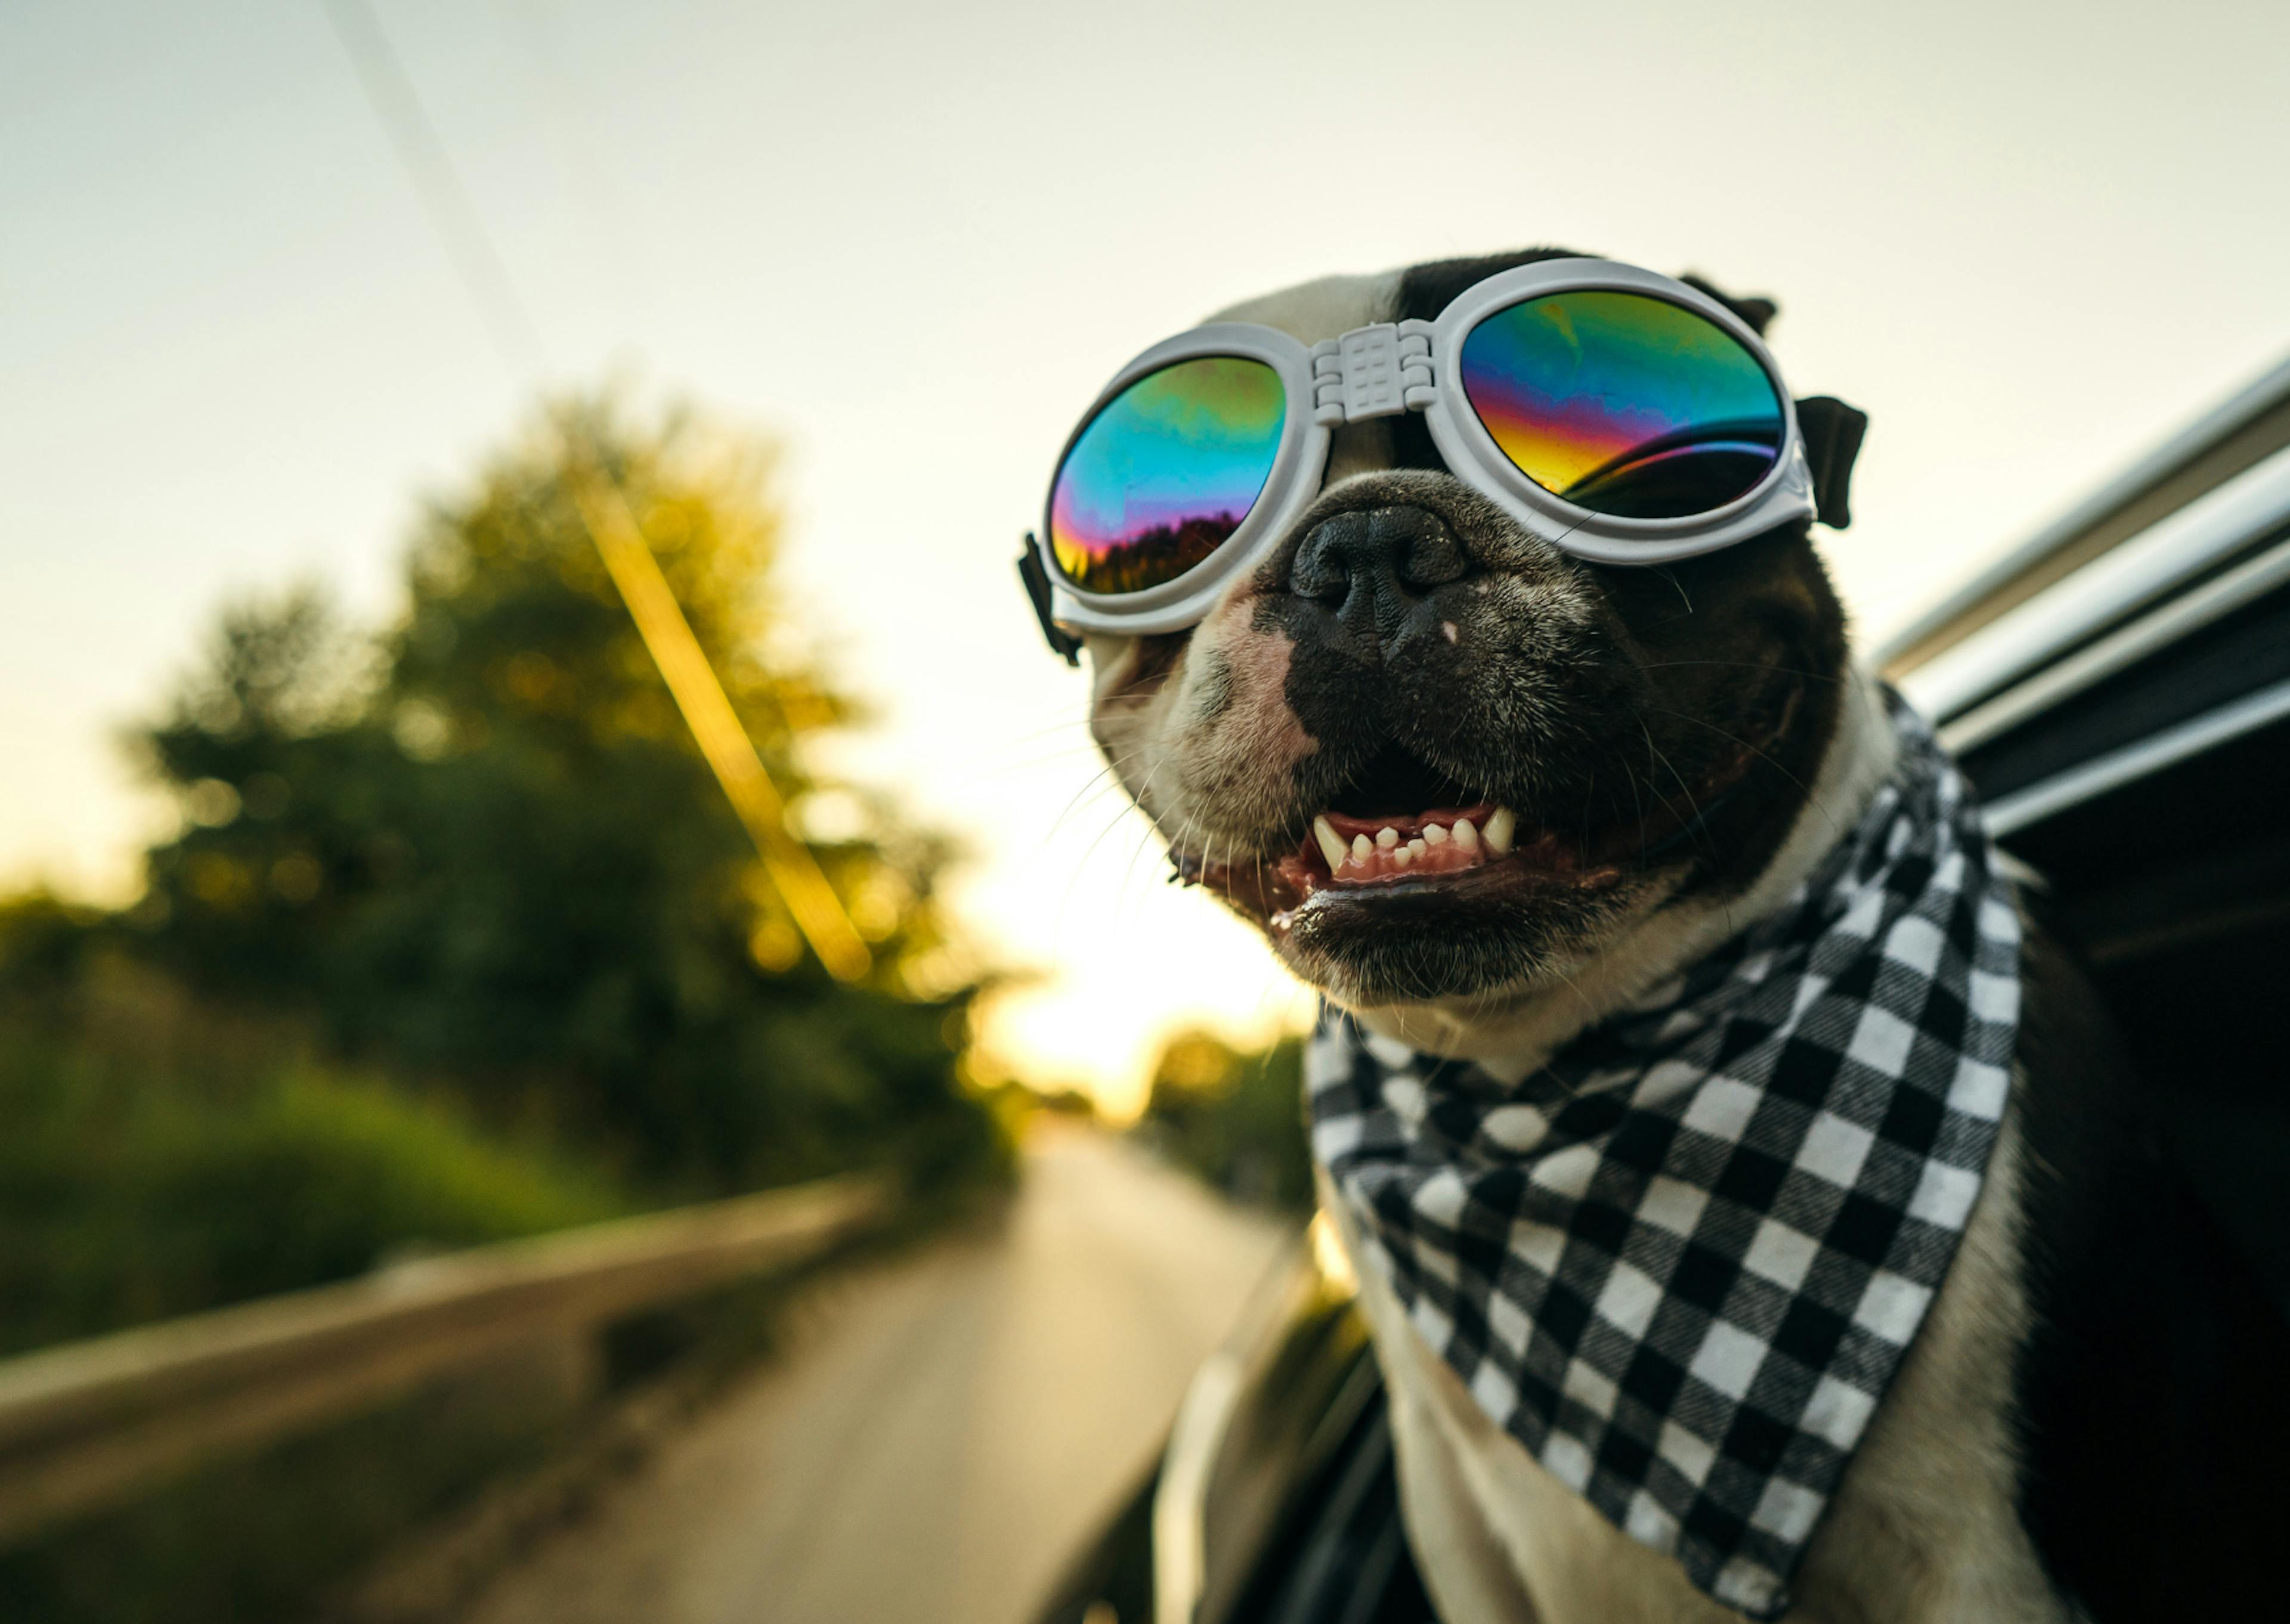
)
(1498, 929)
(1491, 936)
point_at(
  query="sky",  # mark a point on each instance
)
(911, 240)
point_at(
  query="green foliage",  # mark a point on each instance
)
(483, 847)
(1235, 1118)
(135, 1188)
(44, 944)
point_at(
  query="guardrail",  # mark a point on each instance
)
(88, 1425)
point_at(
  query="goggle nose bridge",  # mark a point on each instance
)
(1381, 369)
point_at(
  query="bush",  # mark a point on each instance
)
(1235, 1118)
(134, 1190)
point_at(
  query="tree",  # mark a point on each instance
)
(481, 846)
(1236, 1118)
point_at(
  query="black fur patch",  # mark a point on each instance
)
(1424, 290)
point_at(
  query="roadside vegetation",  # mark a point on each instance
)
(455, 939)
(1233, 1117)
(137, 1185)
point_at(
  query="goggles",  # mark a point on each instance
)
(1625, 417)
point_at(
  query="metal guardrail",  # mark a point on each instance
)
(87, 1425)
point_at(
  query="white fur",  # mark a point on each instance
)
(1327, 309)
(1923, 1529)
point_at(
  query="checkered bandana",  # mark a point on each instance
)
(1681, 1263)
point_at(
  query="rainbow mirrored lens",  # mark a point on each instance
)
(1166, 473)
(1623, 404)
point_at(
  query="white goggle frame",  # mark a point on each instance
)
(1386, 368)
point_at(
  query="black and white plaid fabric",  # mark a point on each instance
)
(1682, 1263)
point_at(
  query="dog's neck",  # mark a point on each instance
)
(1513, 1038)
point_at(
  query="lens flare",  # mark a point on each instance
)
(1623, 404)
(1165, 472)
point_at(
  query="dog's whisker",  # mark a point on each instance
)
(1589, 1008)
(1745, 665)
(1094, 781)
(1090, 799)
(1683, 789)
(1811, 798)
(1630, 777)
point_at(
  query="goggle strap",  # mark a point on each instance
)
(1832, 433)
(1037, 592)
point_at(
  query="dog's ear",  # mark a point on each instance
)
(1832, 432)
(1755, 310)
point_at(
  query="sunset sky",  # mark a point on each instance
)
(913, 240)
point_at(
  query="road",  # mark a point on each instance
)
(942, 1431)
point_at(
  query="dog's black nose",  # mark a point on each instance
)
(1376, 567)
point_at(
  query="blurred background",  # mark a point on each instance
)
(368, 899)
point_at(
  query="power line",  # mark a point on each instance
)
(611, 524)
(453, 213)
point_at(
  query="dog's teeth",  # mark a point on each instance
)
(1386, 837)
(1434, 835)
(1417, 847)
(1501, 826)
(1467, 835)
(1332, 845)
(1404, 856)
(1361, 850)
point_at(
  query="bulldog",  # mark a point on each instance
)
(1463, 630)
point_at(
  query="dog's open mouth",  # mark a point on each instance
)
(1440, 845)
(1403, 824)
(1401, 829)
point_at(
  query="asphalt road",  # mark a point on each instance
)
(942, 1430)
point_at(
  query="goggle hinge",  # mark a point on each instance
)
(1381, 369)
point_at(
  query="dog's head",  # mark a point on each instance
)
(1438, 761)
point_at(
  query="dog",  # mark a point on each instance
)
(1674, 748)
